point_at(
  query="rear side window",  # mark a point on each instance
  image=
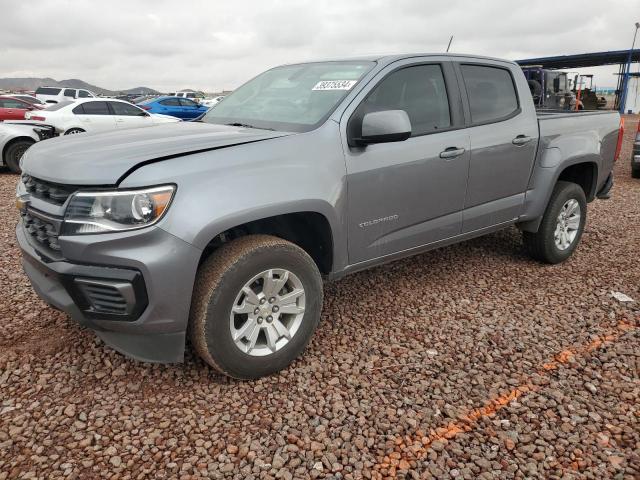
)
(92, 108)
(418, 90)
(48, 91)
(120, 108)
(69, 92)
(185, 102)
(170, 102)
(491, 91)
(84, 94)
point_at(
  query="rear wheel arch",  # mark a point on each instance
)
(584, 174)
(74, 130)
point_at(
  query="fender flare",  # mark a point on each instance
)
(546, 178)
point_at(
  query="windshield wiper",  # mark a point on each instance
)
(246, 125)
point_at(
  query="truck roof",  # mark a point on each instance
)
(390, 58)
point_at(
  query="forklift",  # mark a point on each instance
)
(586, 98)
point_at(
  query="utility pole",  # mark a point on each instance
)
(625, 80)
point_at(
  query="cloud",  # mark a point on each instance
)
(214, 45)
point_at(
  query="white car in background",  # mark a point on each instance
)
(88, 115)
(60, 94)
(96, 115)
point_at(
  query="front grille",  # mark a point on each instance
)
(50, 192)
(43, 229)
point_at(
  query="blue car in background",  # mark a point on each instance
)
(174, 106)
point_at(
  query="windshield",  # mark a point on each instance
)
(295, 98)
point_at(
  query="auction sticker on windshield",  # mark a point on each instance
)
(334, 85)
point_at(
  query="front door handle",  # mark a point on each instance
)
(521, 140)
(451, 152)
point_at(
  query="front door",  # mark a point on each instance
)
(410, 193)
(190, 109)
(11, 109)
(129, 116)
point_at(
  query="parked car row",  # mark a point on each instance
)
(71, 117)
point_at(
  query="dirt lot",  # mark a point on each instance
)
(467, 362)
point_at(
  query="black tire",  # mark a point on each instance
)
(73, 131)
(14, 153)
(541, 244)
(635, 172)
(219, 280)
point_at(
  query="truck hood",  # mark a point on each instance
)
(103, 159)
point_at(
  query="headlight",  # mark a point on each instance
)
(116, 210)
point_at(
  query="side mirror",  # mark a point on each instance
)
(385, 126)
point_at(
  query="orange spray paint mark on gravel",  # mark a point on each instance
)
(415, 447)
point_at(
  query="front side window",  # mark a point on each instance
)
(170, 102)
(418, 90)
(120, 108)
(92, 108)
(7, 103)
(185, 102)
(295, 98)
(84, 94)
(491, 91)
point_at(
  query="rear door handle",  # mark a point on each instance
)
(521, 140)
(451, 152)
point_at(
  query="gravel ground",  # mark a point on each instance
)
(467, 362)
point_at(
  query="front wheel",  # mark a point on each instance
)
(562, 225)
(255, 306)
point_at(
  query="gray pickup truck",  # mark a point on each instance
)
(222, 230)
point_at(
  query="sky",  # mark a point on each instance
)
(215, 45)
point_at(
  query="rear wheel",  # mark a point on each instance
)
(256, 303)
(14, 153)
(561, 227)
(74, 131)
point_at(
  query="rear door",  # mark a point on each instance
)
(129, 116)
(407, 194)
(95, 117)
(504, 136)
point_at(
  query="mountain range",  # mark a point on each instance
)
(31, 84)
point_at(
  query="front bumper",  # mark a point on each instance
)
(152, 269)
